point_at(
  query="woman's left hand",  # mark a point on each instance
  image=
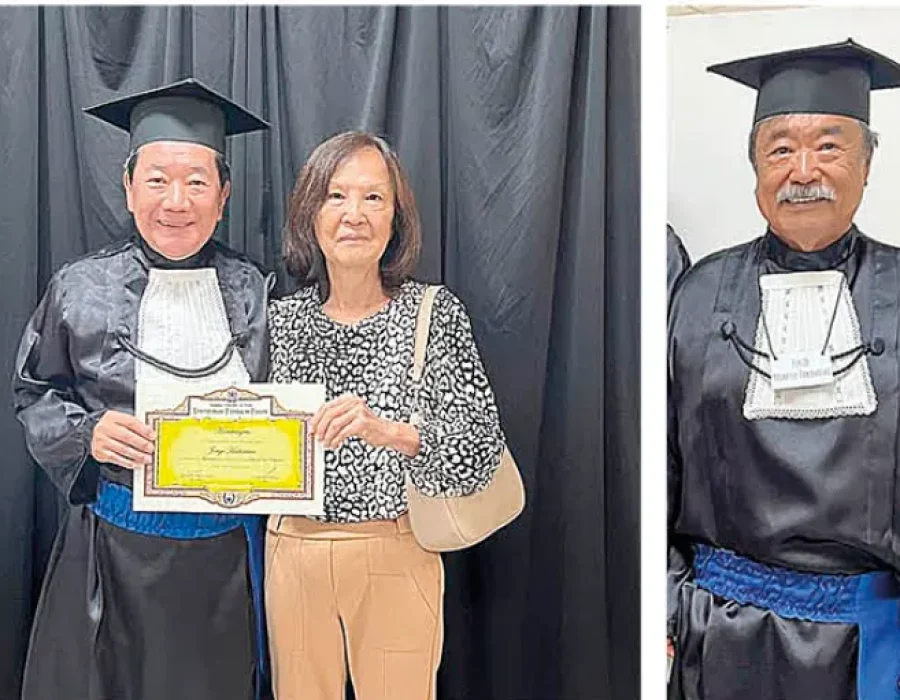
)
(349, 416)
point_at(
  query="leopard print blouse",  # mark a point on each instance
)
(460, 436)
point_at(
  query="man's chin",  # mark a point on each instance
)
(804, 217)
(172, 243)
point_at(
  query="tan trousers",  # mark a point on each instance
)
(367, 590)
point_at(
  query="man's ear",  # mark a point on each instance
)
(126, 183)
(223, 198)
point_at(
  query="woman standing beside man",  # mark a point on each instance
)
(355, 584)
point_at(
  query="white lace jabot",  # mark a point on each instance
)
(182, 321)
(798, 309)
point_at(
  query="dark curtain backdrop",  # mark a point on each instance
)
(519, 130)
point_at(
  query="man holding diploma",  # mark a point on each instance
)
(146, 605)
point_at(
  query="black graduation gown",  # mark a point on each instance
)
(810, 495)
(122, 615)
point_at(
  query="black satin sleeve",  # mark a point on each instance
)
(58, 428)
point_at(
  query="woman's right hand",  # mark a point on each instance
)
(349, 416)
(123, 440)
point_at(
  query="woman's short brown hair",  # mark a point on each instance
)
(302, 254)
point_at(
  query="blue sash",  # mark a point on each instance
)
(113, 504)
(871, 601)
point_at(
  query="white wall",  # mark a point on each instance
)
(710, 180)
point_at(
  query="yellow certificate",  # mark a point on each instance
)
(238, 449)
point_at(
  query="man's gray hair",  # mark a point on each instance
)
(870, 141)
(221, 166)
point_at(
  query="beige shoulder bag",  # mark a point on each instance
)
(448, 523)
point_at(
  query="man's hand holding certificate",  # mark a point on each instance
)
(233, 449)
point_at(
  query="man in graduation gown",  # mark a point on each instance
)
(138, 605)
(783, 412)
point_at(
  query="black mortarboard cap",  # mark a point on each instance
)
(828, 79)
(183, 111)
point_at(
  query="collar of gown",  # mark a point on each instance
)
(202, 258)
(828, 258)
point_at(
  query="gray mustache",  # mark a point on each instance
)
(805, 193)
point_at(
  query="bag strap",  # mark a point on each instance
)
(423, 325)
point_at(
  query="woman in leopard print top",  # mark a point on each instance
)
(373, 594)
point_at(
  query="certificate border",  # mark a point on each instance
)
(233, 499)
